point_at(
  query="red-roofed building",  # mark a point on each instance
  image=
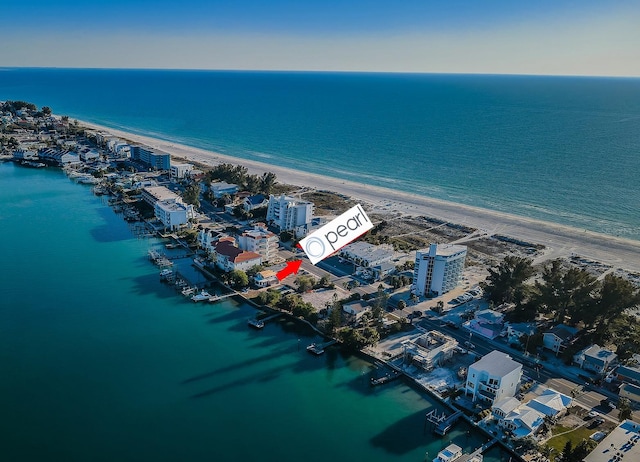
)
(228, 257)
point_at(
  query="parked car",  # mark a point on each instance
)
(593, 414)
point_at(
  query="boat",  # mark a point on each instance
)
(188, 291)
(315, 349)
(256, 323)
(201, 297)
(449, 454)
(166, 274)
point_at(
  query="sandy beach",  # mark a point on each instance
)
(559, 240)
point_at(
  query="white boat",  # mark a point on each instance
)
(166, 274)
(188, 291)
(201, 297)
(449, 454)
(315, 349)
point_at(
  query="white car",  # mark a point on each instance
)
(593, 414)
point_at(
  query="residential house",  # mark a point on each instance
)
(595, 358)
(255, 202)
(504, 406)
(487, 323)
(438, 269)
(551, 403)
(522, 422)
(221, 188)
(629, 374)
(493, 377)
(631, 392)
(429, 350)
(355, 310)
(558, 338)
(514, 331)
(265, 278)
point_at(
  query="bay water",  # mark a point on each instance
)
(100, 361)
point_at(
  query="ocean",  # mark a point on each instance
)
(560, 149)
(101, 361)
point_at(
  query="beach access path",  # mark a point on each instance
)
(559, 240)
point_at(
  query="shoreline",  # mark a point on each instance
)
(560, 241)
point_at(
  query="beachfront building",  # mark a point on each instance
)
(254, 202)
(429, 350)
(622, 444)
(260, 240)
(228, 257)
(58, 157)
(369, 255)
(181, 171)
(25, 154)
(558, 338)
(287, 213)
(438, 269)
(173, 213)
(157, 160)
(595, 359)
(153, 194)
(493, 377)
(220, 188)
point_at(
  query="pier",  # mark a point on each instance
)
(318, 348)
(159, 259)
(442, 423)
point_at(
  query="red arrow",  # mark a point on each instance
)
(291, 268)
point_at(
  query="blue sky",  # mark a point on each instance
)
(585, 37)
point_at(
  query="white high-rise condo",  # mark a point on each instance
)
(438, 269)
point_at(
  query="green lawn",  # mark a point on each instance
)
(575, 436)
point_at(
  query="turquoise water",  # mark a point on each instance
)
(100, 361)
(560, 149)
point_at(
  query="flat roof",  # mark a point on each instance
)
(622, 445)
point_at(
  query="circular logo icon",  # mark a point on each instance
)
(314, 247)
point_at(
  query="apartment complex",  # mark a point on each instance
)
(287, 213)
(438, 269)
(154, 159)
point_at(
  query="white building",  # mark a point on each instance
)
(173, 214)
(365, 254)
(557, 338)
(595, 358)
(429, 350)
(493, 377)
(260, 240)
(621, 445)
(180, 171)
(221, 188)
(438, 269)
(287, 213)
(153, 194)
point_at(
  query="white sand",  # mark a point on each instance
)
(559, 240)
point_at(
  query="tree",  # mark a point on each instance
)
(440, 307)
(624, 409)
(402, 305)
(324, 281)
(191, 194)
(46, 110)
(566, 452)
(267, 182)
(239, 279)
(506, 283)
(305, 283)
(335, 317)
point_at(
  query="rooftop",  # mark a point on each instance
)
(621, 445)
(497, 364)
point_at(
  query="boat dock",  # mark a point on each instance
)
(318, 348)
(159, 259)
(442, 423)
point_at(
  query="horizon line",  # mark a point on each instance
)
(316, 71)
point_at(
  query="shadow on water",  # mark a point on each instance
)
(110, 231)
(272, 374)
(404, 436)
